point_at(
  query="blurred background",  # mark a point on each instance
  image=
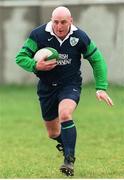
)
(103, 20)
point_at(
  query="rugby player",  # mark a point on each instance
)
(60, 82)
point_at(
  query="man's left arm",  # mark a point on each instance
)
(96, 59)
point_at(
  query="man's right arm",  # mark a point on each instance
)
(25, 56)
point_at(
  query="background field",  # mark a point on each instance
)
(26, 152)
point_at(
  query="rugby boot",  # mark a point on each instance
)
(60, 148)
(68, 167)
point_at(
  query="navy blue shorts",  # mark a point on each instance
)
(51, 95)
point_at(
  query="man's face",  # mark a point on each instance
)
(61, 26)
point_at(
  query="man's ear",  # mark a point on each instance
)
(71, 20)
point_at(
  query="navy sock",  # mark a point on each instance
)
(68, 135)
(58, 139)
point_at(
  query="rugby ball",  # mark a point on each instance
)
(46, 53)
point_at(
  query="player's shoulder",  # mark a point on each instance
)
(39, 29)
(82, 35)
(38, 32)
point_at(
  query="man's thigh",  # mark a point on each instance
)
(71, 92)
(48, 102)
(66, 109)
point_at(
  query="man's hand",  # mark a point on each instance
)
(102, 95)
(44, 65)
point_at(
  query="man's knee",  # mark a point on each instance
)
(64, 115)
(53, 135)
(53, 128)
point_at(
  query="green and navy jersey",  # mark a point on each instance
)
(76, 43)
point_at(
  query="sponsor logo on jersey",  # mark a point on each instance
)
(73, 41)
(63, 59)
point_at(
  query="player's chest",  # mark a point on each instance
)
(68, 47)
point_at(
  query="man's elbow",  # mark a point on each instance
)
(18, 59)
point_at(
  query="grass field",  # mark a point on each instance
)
(26, 152)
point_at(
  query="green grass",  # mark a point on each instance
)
(26, 151)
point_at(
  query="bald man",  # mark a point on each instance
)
(60, 81)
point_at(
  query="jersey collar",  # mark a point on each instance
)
(49, 29)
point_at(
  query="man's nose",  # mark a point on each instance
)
(59, 25)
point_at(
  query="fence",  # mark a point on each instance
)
(102, 20)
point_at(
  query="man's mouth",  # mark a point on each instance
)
(60, 31)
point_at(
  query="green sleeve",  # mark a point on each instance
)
(96, 59)
(25, 56)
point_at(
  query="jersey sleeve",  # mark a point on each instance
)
(97, 61)
(24, 58)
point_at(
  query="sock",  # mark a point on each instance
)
(58, 139)
(68, 135)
